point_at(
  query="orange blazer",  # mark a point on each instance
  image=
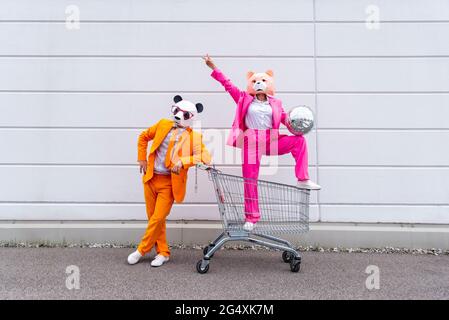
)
(189, 149)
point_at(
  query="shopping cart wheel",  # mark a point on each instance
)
(295, 264)
(206, 249)
(287, 256)
(200, 268)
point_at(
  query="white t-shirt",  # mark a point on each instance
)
(161, 152)
(259, 115)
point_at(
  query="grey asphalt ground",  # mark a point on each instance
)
(40, 273)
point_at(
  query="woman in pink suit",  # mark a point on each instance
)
(256, 131)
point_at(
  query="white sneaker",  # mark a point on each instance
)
(159, 260)
(134, 257)
(308, 184)
(248, 226)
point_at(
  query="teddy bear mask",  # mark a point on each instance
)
(261, 82)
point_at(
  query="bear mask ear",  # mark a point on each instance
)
(177, 98)
(249, 74)
(270, 73)
(199, 107)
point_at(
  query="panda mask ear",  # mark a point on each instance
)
(177, 98)
(199, 107)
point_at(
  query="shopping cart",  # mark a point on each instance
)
(283, 209)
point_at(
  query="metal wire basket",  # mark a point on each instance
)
(283, 208)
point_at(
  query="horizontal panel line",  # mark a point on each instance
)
(212, 91)
(84, 128)
(117, 165)
(382, 56)
(81, 128)
(213, 203)
(261, 56)
(385, 204)
(384, 92)
(75, 202)
(63, 128)
(416, 92)
(106, 165)
(94, 203)
(223, 93)
(212, 128)
(92, 21)
(135, 91)
(14, 128)
(380, 21)
(381, 129)
(126, 165)
(96, 21)
(380, 204)
(99, 203)
(167, 57)
(170, 56)
(375, 166)
(102, 165)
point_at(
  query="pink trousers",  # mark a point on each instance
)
(268, 142)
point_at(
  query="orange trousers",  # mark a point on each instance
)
(159, 200)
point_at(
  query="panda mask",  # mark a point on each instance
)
(184, 112)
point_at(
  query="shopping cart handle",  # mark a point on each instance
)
(203, 166)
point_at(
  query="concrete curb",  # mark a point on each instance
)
(328, 235)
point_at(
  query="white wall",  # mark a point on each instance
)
(72, 102)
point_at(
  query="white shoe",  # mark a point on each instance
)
(159, 260)
(134, 257)
(308, 184)
(248, 226)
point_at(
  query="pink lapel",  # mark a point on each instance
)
(277, 111)
(245, 106)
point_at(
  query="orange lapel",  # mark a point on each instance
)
(160, 136)
(178, 146)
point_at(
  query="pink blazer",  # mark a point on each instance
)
(243, 100)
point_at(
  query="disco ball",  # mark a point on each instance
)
(299, 120)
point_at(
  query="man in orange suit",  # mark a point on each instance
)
(175, 148)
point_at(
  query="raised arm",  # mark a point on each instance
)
(220, 77)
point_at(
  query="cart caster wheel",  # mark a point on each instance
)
(287, 256)
(295, 265)
(206, 249)
(200, 269)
